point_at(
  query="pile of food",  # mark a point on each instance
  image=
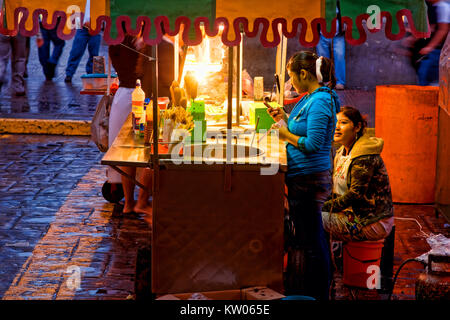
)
(181, 119)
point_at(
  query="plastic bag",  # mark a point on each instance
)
(440, 245)
(100, 123)
(247, 83)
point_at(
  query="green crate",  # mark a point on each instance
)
(197, 110)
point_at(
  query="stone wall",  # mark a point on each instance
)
(375, 62)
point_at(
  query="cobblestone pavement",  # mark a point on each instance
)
(53, 217)
(54, 220)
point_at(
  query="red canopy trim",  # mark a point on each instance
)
(230, 35)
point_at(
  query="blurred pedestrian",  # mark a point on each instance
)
(82, 40)
(335, 47)
(425, 52)
(43, 40)
(14, 48)
(25, 75)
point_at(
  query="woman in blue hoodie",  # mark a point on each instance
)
(308, 136)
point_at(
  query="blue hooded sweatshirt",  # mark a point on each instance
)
(314, 120)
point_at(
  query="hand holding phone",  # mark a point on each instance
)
(275, 113)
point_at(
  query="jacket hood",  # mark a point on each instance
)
(366, 145)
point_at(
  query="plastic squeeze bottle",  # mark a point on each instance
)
(137, 105)
(143, 122)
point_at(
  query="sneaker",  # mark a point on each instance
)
(339, 86)
(68, 79)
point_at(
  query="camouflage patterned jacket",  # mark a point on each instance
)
(368, 198)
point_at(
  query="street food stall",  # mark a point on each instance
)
(218, 190)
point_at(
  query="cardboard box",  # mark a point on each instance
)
(252, 293)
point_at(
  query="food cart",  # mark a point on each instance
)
(218, 203)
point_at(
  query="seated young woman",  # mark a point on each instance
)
(360, 207)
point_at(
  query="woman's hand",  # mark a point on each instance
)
(276, 113)
(426, 50)
(283, 133)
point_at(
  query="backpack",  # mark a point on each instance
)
(100, 123)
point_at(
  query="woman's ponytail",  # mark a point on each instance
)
(327, 70)
(319, 67)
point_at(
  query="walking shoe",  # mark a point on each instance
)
(50, 70)
(339, 86)
(68, 79)
(20, 93)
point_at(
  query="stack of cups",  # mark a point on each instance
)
(258, 90)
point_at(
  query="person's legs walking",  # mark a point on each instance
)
(93, 49)
(52, 61)
(428, 71)
(5, 51)
(44, 51)
(76, 53)
(18, 60)
(339, 59)
(25, 75)
(58, 45)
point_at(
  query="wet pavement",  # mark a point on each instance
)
(54, 220)
(55, 224)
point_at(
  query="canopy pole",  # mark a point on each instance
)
(108, 80)
(155, 158)
(176, 56)
(238, 81)
(230, 88)
(281, 65)
(230, 103)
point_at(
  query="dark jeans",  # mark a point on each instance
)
(428, 71)
(50, 36)
(309, 269)
(82, 40)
